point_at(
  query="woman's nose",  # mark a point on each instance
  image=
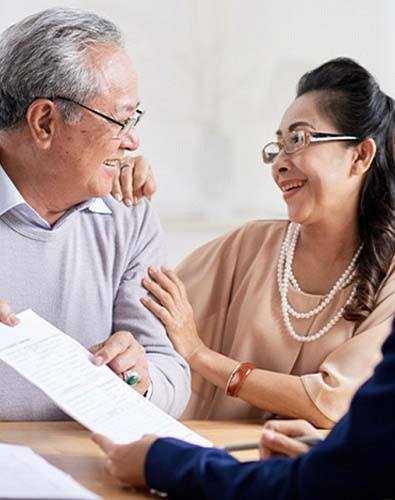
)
(280, 164)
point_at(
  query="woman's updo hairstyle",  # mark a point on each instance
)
(351, 98)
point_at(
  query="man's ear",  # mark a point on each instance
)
(41, 119)
(363, 157)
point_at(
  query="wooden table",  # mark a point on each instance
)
(67, 445)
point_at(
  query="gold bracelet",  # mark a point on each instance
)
(231, 377)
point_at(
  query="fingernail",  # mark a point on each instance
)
(269, 434)
(118, 196)
(128, 202)
(152, 269)
(166, 269)
(12, 320)
(97, 360)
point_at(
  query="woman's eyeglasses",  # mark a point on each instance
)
(297, 140)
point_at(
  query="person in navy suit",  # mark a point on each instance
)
(356, 460)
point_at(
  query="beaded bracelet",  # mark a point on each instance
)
(237, 378)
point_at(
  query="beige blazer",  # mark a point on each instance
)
(232, 285)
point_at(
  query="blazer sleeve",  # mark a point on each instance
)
(355, 462)
(351, 364)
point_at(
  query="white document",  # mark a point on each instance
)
(24, 474)
(92, 395)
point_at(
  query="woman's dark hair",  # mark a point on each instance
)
(353, 101)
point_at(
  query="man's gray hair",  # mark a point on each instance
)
(45, 55)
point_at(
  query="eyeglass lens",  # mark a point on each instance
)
(290, 143)
(131, 123)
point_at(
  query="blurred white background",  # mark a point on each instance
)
(216, 76)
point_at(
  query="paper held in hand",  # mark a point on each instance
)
(92, 395)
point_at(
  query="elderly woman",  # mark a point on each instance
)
(289, 316)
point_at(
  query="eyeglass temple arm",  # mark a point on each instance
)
(334, 138)
(98, 113)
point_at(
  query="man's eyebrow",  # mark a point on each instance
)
(294, 125)
(127, 108)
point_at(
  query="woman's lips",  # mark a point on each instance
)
(292, 192)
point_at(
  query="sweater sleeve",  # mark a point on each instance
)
(169, 372)
(355, 462)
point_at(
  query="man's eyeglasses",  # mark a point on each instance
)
(297, 140)
(126, 125)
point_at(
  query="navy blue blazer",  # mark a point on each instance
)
(355, 462)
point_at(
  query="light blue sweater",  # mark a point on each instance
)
(84, 276)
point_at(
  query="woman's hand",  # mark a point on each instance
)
(126, 462)
(134, 180)
(276, 438)
(122, 353)
(174, 310)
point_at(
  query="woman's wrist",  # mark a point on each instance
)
(197, 355)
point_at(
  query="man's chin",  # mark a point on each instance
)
(103, 183)
(100, 189)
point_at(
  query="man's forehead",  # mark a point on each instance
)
(122, 96)
(117, 76)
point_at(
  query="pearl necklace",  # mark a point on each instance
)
(286, 276)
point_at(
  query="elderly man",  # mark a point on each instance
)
(68, 110)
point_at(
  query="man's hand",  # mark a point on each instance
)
(126, 462)
(121, 352)
(133, 181)
(277, 438)
(7, 315)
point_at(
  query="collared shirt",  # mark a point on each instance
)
(11, 198)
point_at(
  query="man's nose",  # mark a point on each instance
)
(130, 141)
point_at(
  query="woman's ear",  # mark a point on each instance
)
(363, 157)
(41, 120)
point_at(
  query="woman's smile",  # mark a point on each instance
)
(291, 187)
